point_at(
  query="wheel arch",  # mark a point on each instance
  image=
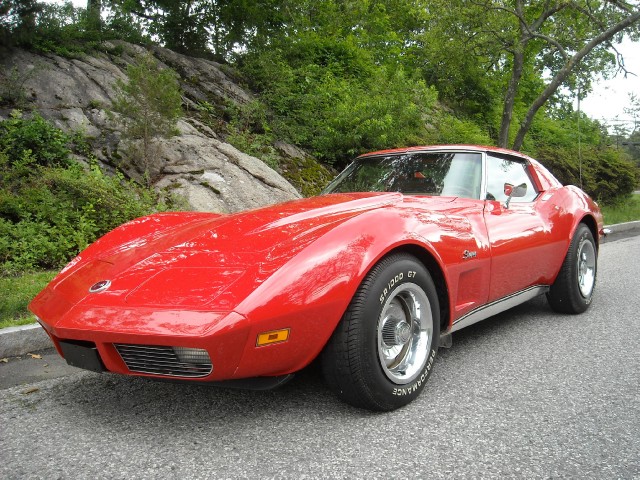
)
(591, 223)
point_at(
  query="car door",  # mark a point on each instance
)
(520, 236)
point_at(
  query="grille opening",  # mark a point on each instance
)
(165, 360)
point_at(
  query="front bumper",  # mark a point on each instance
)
(156, 337)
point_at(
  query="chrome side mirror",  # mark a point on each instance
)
(510, 191)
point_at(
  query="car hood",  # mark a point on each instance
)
(209, 263)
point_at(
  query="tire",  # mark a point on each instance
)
(376, 359)
(572, 291)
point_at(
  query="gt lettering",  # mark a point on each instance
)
(394, 281)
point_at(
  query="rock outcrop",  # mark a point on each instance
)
(211, 174)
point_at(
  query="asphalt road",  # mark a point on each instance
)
(526, 394)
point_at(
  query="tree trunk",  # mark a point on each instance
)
(94, 15)
(510, 98)
(514, 81)
(565, 71)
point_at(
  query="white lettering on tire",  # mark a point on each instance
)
(425, 373)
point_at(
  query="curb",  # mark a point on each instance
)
(15, 341)
(624, 227)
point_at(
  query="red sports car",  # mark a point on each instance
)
(403, 248)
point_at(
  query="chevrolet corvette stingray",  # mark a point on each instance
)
(403, 248)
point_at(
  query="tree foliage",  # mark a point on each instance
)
(551, 43)
(63, 29)
(329, 96)
(149, 104)
(204, 27)
(340, 77)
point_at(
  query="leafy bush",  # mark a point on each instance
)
(64, 29)
(603, 172)
(450, 129)
(46, 144)
(329, 96)
(306, 174)
(60, 29)
(576, 151)
(51, 207)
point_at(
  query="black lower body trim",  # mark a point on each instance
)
(82, 355)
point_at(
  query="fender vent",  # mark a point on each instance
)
(169, 361)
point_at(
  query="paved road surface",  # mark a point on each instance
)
(526, 394)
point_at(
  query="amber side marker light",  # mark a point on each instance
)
(275, 336)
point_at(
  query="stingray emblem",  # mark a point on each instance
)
(101, 286)
(467, 254)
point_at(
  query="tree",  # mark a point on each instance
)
(332, 86)
(204, 27)
(149, 104)
(179, 24)
(632, 142)
(18, 19)
(94, 15)
(553, 37)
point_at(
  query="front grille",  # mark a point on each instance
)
(160, 360)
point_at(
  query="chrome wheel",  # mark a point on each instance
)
(586, 268)
(382, 353)
(405, 333)
(572, 290)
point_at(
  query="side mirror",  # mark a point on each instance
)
(510, 191)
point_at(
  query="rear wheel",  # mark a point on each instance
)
(573, 289)
(382, 352)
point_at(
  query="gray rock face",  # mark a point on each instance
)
(211, 174)
(215, 176)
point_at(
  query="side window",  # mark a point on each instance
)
(501, 170)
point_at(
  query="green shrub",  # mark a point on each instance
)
(602, 172)
(60, 29)
(65, 30)
(49, 146)
(306, 174)
(450, 129)
(51, 207)
(330, 97)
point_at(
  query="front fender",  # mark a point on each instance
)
(310, 293)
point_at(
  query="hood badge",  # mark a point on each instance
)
(101, 286)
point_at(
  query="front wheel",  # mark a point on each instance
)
(573, 289)
(382, 352)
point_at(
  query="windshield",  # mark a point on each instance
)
(436, 173)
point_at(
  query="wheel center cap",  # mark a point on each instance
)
(403, 332)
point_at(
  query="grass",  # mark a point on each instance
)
(15, 295)
(627, 211)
